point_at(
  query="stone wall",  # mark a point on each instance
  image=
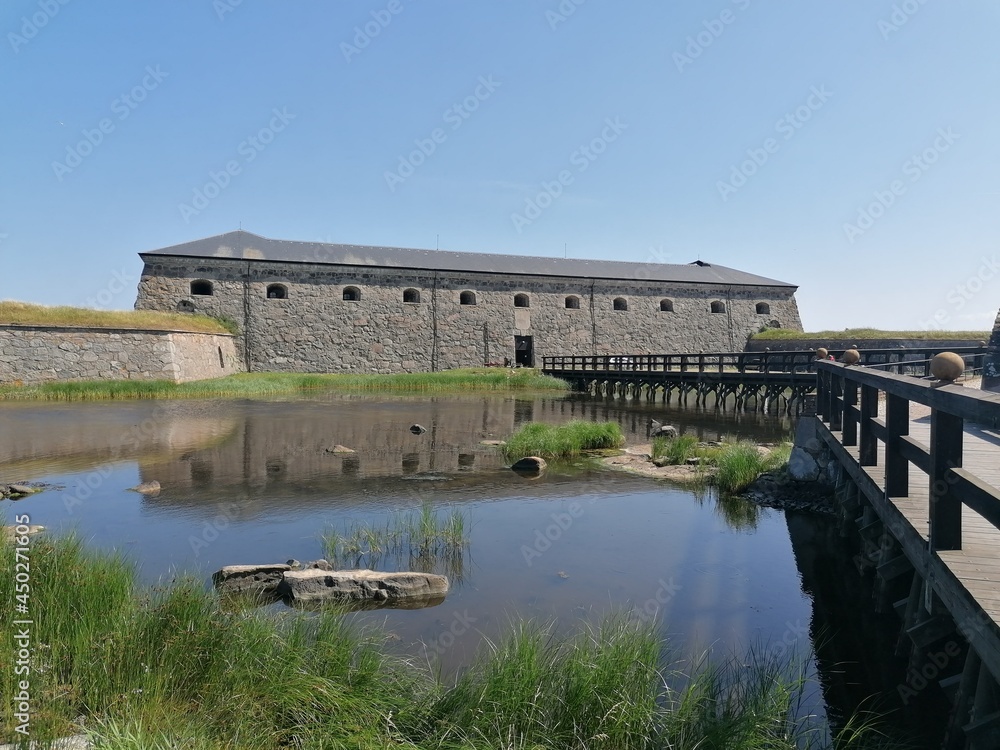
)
(316, 330)
(35, 354)
(991, 374)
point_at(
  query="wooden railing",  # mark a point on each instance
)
(848, 403)
(907, 361)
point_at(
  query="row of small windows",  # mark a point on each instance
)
(353, 294)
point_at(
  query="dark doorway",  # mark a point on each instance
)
(524, 351)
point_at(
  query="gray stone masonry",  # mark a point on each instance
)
(991, 374)
(315, 329)
(35, 354)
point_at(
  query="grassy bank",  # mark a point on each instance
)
(169, 668)
(733, 465)
(22, 313)
(562, 441)
(250, 385)
(860, 334)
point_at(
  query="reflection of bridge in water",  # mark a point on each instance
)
(758, 381)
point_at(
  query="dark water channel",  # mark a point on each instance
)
(253, 482)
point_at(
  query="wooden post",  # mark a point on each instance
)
(836, 402)
(868, 448)
(850, 426)
(946, 506)
(897, 425)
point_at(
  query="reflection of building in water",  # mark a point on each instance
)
(37, 440)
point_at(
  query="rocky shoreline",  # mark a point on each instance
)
(774, 489)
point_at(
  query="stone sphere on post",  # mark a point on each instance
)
(947, 366)
(851, 357)
(822, 353)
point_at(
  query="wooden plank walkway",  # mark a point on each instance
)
(972, 574)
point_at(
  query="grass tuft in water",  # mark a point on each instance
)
(562, 441)
(424, 540)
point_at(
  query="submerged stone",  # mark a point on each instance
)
(360, 586)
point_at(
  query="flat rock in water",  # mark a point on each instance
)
(361, 586)
(147, 488)
(340, 450)
(249, 579)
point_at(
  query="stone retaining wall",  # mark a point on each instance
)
(35, 354)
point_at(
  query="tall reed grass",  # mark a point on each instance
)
(250, 385)
(423, 540)
(562, 441)
(169, 668)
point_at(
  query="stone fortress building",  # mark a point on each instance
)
(318, 307)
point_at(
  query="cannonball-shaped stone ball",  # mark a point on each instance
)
(822, 353)
(851, 357)
(947, 366)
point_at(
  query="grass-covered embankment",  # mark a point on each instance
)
(251, 385)
(562, 441)
(22, 313)
(861, 334)
(169, 668)
(732, 466)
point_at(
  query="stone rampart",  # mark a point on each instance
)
(35, 354)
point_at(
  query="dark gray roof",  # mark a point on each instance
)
(242, 245)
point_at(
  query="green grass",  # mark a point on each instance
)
(742, 462)
(251, 385)
(22, 313)
(168, 667)
(562, 441)
(675, 451)
(860, 334)
(421, 540)
(736, 464)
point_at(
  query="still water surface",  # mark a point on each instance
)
(253, 482)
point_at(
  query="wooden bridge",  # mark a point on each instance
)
(761, 381)
(921, 490)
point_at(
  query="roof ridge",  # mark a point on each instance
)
(240, 244)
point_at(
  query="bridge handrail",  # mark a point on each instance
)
(914, 361)
(848, 403)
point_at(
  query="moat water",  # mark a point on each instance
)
(254, 482)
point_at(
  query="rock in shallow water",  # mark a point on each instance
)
(249, 579)
(360, 586)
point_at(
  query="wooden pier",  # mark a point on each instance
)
(921, 468)
(759, 381)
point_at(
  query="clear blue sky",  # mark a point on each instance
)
(634, 124)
